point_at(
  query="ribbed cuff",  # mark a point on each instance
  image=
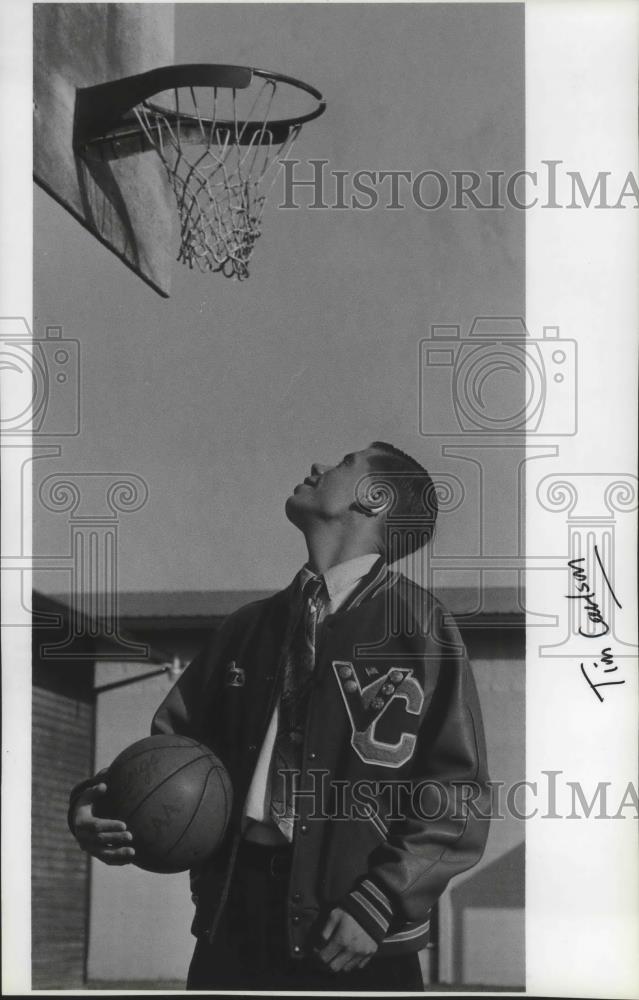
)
(370, 907)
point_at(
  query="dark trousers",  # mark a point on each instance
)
(250, 951)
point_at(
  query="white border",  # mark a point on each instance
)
(582, 924)
(16, 276)
(581, 274)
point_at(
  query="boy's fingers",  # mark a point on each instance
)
(113, 838)
(92, 793)
(117, 856)
(330, 925)
(338, 963)
(109, 826)
(352, 964)
(330, 951)
(92, 829)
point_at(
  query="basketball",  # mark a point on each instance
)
(175, 797)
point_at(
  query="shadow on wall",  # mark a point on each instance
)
(492, 900)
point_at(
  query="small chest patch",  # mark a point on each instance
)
(235, 677)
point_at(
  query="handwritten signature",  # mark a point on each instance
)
(591, 605)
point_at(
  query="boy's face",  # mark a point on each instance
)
(329, 491)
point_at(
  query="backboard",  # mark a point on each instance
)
(126, 204)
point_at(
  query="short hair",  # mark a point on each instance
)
(416, 498)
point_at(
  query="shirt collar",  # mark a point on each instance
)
(343, 575)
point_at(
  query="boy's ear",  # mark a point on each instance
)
(373, 496)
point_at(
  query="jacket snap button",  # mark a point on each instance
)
(304, 829)
(312, 755)
(297, 897)
(297, 949)
(296, 919)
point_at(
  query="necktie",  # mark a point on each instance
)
(298, 673)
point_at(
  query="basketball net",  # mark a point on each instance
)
(221, 172)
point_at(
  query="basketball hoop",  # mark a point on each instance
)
(218, 133)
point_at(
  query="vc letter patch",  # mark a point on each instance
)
(365, 706)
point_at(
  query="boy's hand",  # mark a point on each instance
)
(346, 946)
(105, 839)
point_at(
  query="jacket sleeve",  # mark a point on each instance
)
(185, 709)
(445, 819)
(182, 711)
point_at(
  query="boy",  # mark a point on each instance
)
(346, 713)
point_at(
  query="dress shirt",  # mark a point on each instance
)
(340, 580)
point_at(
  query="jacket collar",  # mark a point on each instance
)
(379, 579)
(342, 577)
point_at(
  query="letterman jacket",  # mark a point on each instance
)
(393, 793)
